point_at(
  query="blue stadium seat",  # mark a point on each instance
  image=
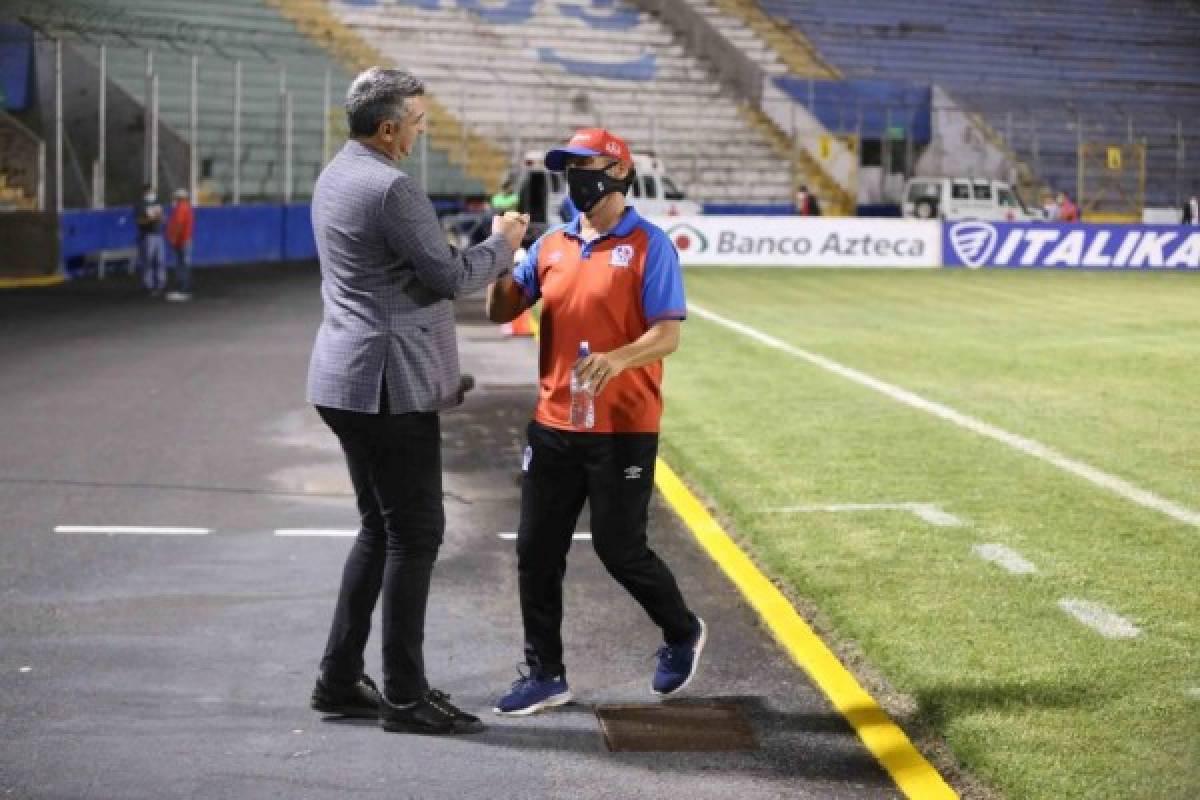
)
(1049, 66)
(640, 69)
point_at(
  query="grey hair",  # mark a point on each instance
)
(376, 96)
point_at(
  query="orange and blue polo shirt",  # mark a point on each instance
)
(606, 292)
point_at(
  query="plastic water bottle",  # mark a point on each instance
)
(583, 401)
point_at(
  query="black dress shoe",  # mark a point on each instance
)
(432, 713)
(358, 700)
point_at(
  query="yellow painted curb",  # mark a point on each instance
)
(914, 776)
(31, 282)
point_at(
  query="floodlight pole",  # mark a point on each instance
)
(237, 132)
(194, 131)
(58, 126)
(98, 188)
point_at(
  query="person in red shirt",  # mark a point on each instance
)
(179, 236)
(611, 279)
(806, 203)
(1067, 211)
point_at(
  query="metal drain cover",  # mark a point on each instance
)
(645, 728)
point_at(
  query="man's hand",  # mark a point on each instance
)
(512, 226)
(653, 345)
(600, 368)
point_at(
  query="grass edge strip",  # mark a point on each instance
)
(915, 777)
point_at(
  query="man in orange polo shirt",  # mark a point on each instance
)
(611, 279)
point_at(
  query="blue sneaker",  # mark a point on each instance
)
(677, 663)
(531, 693)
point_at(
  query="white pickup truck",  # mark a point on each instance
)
(653, 193)
(965, 198)
(540, 193)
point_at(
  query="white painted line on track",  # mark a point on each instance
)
(926, 511)
(1010, 560)
(1104, 480)
(132, 529)
(1100, 619)
(339, 532)
(581, 536)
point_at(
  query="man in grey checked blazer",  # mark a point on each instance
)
(384, 363)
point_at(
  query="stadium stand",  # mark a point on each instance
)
(1036, 72)
(224, 32)
(527, 74)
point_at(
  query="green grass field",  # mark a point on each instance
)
(1104, 368)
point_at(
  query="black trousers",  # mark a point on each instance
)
(395, 465)
(615, 474)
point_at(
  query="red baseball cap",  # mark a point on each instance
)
(589, 142)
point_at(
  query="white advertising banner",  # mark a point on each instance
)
(805, 241)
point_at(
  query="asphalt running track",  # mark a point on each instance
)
(160, 665)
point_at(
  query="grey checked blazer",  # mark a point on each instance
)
(387, 278)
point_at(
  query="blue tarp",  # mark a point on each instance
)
(610, 17)
(840, 105)
(16, 64)
(513, 12)
(298, 241)
(86, 232)
(223, 235)
(238, 234)
(749, 209)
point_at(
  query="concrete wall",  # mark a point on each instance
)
(29, 244)
(960, 147)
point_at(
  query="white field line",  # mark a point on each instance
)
(1100, 619)
(132, 529)
(927, 511)
(1010, 560)
(511, 536)
(340, 532)
(1104, 480)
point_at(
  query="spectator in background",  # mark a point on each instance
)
(148, 216)
(1191, 211)
(806, 204)
(179, 236)
(1067, 211)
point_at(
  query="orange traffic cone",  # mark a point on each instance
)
(521, 326)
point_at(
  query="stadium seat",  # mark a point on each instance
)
(225, 31)
(529, 83)
(1105, 64)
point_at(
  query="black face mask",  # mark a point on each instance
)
(587, 187)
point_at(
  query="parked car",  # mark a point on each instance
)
(965, 198)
